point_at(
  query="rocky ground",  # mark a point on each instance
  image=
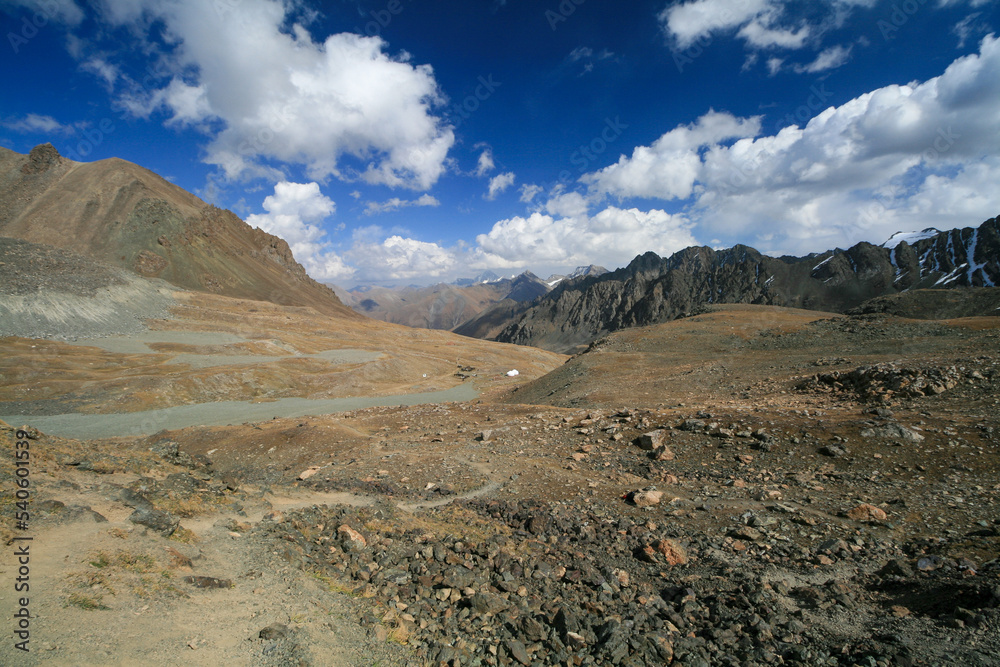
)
(788, 488)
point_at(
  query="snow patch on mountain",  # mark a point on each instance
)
(909, 237)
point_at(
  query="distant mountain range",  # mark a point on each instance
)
(447, 306)
(653, 289)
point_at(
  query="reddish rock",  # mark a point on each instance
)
(663, 551)
(352, 536)
(866, 512)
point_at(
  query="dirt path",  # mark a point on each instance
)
(148, 615)
(153, 617)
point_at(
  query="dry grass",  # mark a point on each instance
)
(119, 572)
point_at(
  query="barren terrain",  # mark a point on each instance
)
(812, 489)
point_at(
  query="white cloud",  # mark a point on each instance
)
(399, 258)
(878, 163)
(396, 203)
(34, 123)
(612, 237)
(294, 213)
(103, 69)
(669, 168)
(830, 58)
(485, 164)
(499, 183)
(763, 36)
(689, 21)
(567, 205)
(760, 24)
(342, 107)
(64, 11)
(968, 27)
(530, 191)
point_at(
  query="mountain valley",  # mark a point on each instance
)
(747, 461)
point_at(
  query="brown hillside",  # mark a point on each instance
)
(117, 212)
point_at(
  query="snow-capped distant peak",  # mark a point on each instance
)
(909, 237)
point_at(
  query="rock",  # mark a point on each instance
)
(163, 523)
(930, 563)
(662, 453)
(50, 506)
(833, 451)
(565, 622)
(747, 534)
(896, 568)
(274, 631)
(518, 651)
(866, 512)
(692, 425)
(832, 546)
(208, 582)
(309, 472)
(646, 498)
(663, 647)
(894, 431)
(652, 440)
(663, 551)
(485, 436)
(488, 603)
(351, 538)
(134, 499)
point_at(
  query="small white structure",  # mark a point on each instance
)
(512, 373)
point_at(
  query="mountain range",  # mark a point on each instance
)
(448, 306)
(653, 289)
(124, 215)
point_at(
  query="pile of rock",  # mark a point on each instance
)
(535, 583)
(882, 383)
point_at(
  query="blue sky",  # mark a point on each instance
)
(407, 141)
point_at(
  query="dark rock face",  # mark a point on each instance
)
(41, 159)
(651, 289)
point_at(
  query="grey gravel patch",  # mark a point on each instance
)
(56, 294)
(139, 343)
(222, 413)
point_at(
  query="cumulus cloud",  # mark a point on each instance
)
(399, 258)
(613, 236)
(396, 203)
(499, 183)
(669, 167)
(878, 163)
(264, 90)
(294, 213)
